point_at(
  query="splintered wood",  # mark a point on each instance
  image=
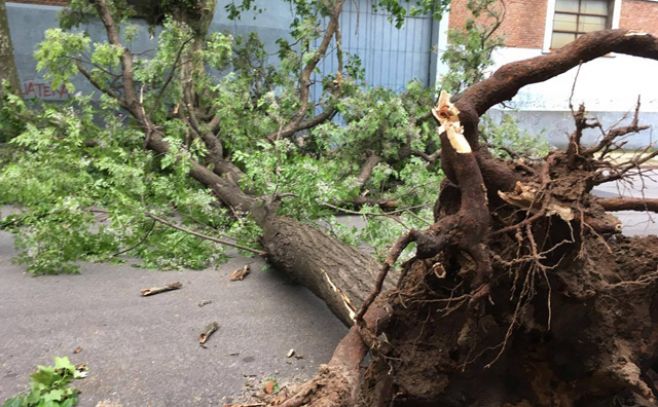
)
(448, 116)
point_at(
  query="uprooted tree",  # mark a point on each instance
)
(521, 292)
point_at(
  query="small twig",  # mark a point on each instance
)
(170, 76)
(206, 237)
(573, 87)
(393, 255)
(139, 243)
(352, 212)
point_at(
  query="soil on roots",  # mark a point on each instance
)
(583, 333)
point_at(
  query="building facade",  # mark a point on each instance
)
(609, 86)
(391, 57)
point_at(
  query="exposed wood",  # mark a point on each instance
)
(207, 333)
(157, 290)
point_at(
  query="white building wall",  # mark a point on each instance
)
(607, 84)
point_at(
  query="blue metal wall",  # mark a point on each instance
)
(391, 57)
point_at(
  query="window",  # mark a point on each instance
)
(575, 17)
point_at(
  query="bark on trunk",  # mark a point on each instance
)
(339, 274)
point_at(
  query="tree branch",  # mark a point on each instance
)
(110, 92)
(131, 100)
(430, 158)
(205, 237)
(508, 79)
(367, 169)
(629, 204)
(297, 123)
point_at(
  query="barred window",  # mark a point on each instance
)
(576, 17)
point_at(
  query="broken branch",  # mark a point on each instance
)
(207, 332)
(157, 290)
(629, 204)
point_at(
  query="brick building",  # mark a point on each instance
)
(609, 86)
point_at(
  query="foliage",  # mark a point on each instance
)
(85, 184)
(469, 50)
(398, 11)
(505, 135)
(84, 190)
(11, 123)
(49, 387)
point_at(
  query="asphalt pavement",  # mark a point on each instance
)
(144, 351)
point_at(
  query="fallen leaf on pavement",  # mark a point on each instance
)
(268, 387)
(240, 274)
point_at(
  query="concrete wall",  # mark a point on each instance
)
(557, 125)
(608, 86)
(27, 24)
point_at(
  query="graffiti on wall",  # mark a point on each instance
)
(43, 90)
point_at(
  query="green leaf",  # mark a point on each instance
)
(64, 363)
(54, 395)
(18, 401)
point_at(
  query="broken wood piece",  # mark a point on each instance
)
(204, 303)
(447, 115)
(207, 332)
(240, 274)
(157, 290)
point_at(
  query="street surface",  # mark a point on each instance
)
(144, 351)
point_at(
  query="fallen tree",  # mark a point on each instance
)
(520, 293)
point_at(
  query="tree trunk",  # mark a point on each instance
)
(340, 275)
(522, 293)
(8, 71)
